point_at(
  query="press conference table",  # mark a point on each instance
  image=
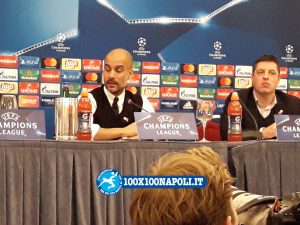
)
(51, 182)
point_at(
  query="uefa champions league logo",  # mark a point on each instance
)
(109, 182)
(289, 49)
(217, 46)
(142, 42)
(141, 51)
(60, 37)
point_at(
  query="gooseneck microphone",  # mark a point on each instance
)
(258, 137)
(130, 102)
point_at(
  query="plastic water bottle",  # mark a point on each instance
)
(234, 112)
(84, 131)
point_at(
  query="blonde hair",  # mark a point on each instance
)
(207, 206)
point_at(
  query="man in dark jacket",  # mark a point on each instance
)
(263, 101)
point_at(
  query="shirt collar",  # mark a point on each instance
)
(267, 107)
(111, 97)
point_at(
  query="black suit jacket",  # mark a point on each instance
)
(290, 105)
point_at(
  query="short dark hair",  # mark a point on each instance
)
(266, 58)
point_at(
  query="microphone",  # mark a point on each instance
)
(258, 137)
(130, 102)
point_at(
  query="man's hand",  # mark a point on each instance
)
(130, 130)
(269, 132)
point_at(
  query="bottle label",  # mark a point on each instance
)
(235, 124)
(84, 122)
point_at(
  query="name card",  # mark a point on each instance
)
(22, 124)
(288, 127)
(166, 126)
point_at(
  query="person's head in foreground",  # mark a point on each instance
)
(211, 205)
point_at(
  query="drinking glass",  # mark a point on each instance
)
(8, 102)
(204, 113)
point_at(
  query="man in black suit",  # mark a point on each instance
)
(263, 101)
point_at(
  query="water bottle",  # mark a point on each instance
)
(234, 112)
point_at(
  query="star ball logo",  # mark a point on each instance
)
(141, 51)
(60, 37)
(217, 54)
(217, 46)
(289, 58)
(141, 42)
(109, 181)
(289, 49)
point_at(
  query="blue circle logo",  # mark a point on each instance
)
(109, 181)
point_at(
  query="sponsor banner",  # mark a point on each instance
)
(91, 65)
(50, 89)
(170, 68)
(282, 85)
(135, 79)
(91, 77)
(207, 81)
(293, 84)
(188, 81)
(29, 88)
(150, 92)
(52, 63)
(29, 74)
(74, 89)
(169, 80)
(71, 76)
(294, 93)
(294, 73)
(133, 89)
(188, 105)
(242, 82)
(52, 76)
(151, 79)
(283, 72)
(29, 61)
(47, 101)
(219, 107)
(169, 104)
(136, 67)
(207, 93)
(243, 71)
(29, 101)
(8, 87)
(207, 69)
(90, 87)
(8, 61)
(169, 92)
(150, 67)
(226, 82)
(223, 93)
(225, 70)
(8, 74)
(70, 64)
(188, 93)
(155, 103)
(188, 68)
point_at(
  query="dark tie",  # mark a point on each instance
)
(115, 106)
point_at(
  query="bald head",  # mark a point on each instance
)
(120, 54)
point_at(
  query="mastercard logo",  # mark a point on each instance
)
(91, 76)
(50, 62)
(190, 68)
(133, 90)
(225, 81)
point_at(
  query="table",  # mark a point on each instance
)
(268, 167)
(54, 183)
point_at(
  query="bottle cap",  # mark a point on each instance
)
(84, 92)
(234, 96)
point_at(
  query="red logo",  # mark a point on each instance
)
(29, 88)
(188, 68)
(169, 92)
(283, 72)
(155, 103)
(91, 64)
(150, 67)
(225, 70)
(90, 87)
(50, 76)
(8, 61)
(295, 93)
(133, 90)
(29, 101)
(188, 81)
(135, 79)
(222, 94)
